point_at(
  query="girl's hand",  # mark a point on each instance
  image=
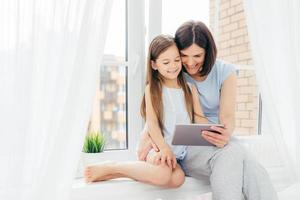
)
(166, 156)
(145, 145)
(219, 140)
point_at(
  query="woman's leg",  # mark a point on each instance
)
(231, 170)
(224, 167)
(257, 183)
(227, 173)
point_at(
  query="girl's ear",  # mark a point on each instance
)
(153, 65)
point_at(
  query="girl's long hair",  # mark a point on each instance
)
(159, 45)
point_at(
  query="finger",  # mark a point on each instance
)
(145, 151)
(211, 139)
(169, 160)
(214, 141)
(218, 129)
(215, 135)
(154, 146)
(164, 160)
(156, 160)
(223, 139)
(142, 155)
(174, 162)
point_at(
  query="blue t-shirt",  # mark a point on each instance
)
(209, 90)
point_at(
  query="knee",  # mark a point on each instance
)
(162, 176)
(231, 155)
(177, 181)
(235, 151)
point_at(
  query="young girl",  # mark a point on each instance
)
(165, 88)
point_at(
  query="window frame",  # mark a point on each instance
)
(155, 23)
(135, 59)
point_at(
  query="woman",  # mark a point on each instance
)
(232, 173)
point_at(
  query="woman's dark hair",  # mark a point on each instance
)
(197, 32)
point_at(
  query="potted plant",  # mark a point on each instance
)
(94, 144)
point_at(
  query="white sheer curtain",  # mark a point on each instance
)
(274, 32)
(50, 53)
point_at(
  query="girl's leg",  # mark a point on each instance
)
(177, 178)
(137, 170)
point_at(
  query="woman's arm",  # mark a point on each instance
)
(228, 103)
(226, 114)
(145, 144)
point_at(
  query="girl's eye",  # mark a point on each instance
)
(166, 63)
(177, 60)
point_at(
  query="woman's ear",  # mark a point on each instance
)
(153, 65)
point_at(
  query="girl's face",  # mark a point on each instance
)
(192, 58)
(168, 63)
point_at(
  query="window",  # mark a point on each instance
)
(115, 110)
(110, 107)
(174, 13)
(227, 22)
(248, 105)
(231, 35)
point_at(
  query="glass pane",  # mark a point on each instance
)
(109, 115)
(113, 105)
(116, 35)
(175, 12)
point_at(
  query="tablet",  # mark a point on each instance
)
(190, 134)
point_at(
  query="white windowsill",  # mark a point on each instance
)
(127, 189)
(124, 189)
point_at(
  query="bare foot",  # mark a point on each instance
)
(99, 172)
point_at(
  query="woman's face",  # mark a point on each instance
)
(193, 58)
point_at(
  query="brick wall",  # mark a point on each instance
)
(233, 46)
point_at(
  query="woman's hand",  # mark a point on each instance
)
(145, 145)
(219, 140)
(165, 156)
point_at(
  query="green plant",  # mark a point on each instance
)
(94, 142)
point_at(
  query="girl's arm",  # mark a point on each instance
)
(226, 114)
(156, 133)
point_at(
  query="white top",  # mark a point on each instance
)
(175, 112)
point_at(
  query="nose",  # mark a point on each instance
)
(189, 61)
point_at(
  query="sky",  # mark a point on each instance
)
(174, 13)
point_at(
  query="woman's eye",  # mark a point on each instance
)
(177, 60)
(166, 63)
